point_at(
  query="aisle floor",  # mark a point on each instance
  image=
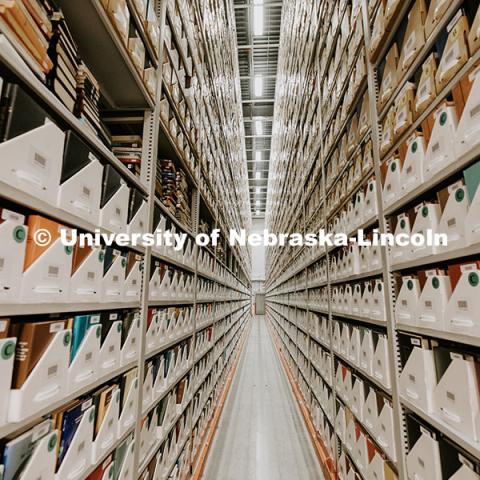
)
(261, 434)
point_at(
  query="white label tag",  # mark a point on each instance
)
(56, 327)
(13, 216)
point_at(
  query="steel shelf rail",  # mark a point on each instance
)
(110, 45)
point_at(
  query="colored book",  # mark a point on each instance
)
(70, 422)
(18, 450)
(32, 341)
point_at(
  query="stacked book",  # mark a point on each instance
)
(183, 211)
(62, 79)
(88, 96)
(128, 149)
(27, 23)
(166, 187)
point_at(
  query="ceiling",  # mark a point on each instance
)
(258, 36)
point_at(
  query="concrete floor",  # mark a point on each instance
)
(261, 434)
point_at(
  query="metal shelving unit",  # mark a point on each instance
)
(286, 272)
(124, 89)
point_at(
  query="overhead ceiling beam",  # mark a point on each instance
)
(259, 46)
(250, 5)
(259, 100)
(259, 117)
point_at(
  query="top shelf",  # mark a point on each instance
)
(105, 54)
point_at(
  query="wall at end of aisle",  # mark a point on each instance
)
(258, 253)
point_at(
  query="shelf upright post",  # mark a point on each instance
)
(393, 352)
(195, 228)
(148, 176)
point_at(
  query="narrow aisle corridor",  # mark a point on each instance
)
(261, 434)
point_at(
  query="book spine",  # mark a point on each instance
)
(22, 356)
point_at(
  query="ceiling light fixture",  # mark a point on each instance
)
(258, 18)
(258, 156)
(259, 127)
(258, 176)
(258, 86)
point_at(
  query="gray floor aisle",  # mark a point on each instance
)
(261, 434)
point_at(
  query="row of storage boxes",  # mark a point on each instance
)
(456, 118)
(177, 126)
(451, 216)
(346, 19)
(355, 157)
(366, 299)
(164, 325)
(432, 455)
(169, 422)
(369, 408)
(120, 16)
(377, 467)
(71, 354)
(170, 283)
(454, 45)
(207, 313)
(60, 169)
(322, 361)
(443, 300)
(38, 267)
(53, 449)
(427, 151)
(365, 202)
(442, 382)
(358, 211)
(358, 74)
(355, 259)
(365, 349)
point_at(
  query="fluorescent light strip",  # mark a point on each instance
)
(258, 18)
(258, 86)
(258, 156)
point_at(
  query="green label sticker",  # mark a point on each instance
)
(410, 285)
(473, 279)
(124, 262)
(66, 339)
(119, 327)
(379, 287)
(459, 195)
(52, 443)
(8, 350)
(101, 256)
(414, 147)
(371, 187)
(92, 415)
(425, 212)
(435, 282)
(19, 234)
(98, 332)
(393, 166)
(110, 472)
(402, 224)
(443, 118)
(68, 250)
